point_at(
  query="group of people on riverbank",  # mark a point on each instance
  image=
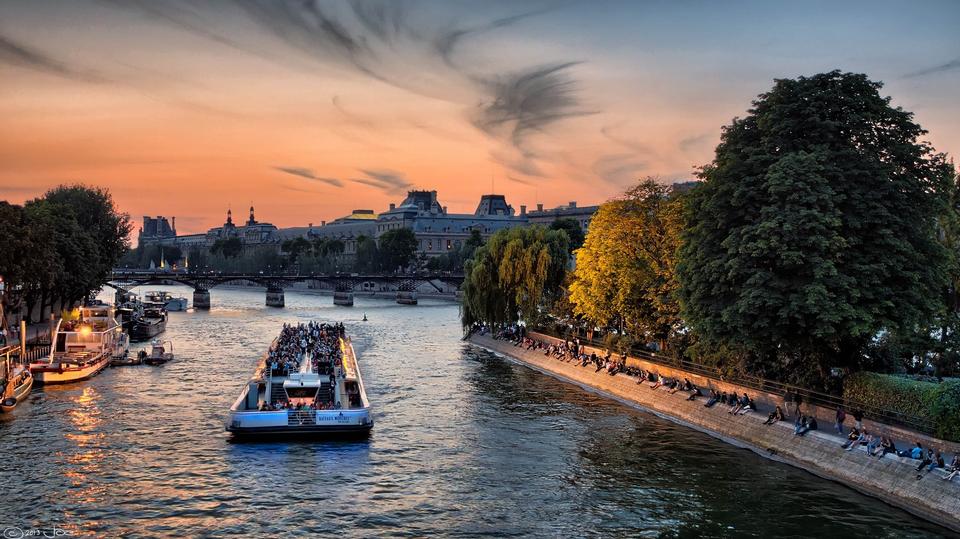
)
(880, 445)
(572, 351)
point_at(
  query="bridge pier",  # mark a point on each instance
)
(406, 297)
(343, 298)
(201, 299)
(274, 297)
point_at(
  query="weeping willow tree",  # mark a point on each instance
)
(517, 271)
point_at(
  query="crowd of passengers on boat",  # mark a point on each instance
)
(320, 341)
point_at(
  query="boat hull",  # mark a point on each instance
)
(141, 331)
(19, 394)
(53, 374)
(318, 423)
(176, 304)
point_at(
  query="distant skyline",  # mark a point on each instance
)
(308, 111)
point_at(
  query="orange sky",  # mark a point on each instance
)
(183, 111)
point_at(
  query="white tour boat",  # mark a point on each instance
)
(317, 392)
(82, 348)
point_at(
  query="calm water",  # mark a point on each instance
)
(465, 444)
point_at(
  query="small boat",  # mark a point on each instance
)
(160, 353)
(169, 302)
(317, 393)
(81, 348)
(15, 381)
(150, 323)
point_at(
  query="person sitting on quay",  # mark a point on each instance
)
(747, 406)
(873, 442)
(953, 468)
(916, 453)
(657, 381)
(925, 460)
(886, 446)
(775, 416)
(932, 461)
(714, 398)
(694, 393)
(853, 438)
(738, 404)
(809, 424)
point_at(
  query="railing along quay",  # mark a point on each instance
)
(808, 396)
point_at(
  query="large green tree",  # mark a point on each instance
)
(397, 248)
(572, 227)
(815, 228)
(511, 276)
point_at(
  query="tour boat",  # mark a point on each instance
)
(15, 381)
(147, 325)
(323, 397)
(81, 348)
(169, 302)
(160, 353)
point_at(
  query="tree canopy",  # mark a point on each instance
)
(62, 246)
(625, 270)
(398, 248)
(572, 227)
(815, 228)
(513, 274)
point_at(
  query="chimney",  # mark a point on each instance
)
(323, 223)
(539, 207)
(573, 204)
(393, 206)
(444, 210)
(523, 210)
(309, 225)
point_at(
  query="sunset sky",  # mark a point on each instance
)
(310, 110)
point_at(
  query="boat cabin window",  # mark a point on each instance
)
(61, 342)
(301, 392)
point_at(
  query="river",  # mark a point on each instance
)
(465, 444)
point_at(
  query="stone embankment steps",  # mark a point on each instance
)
(891, 479)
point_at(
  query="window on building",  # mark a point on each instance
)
(449, 245)
(430, 245)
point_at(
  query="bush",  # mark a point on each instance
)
(935, 404)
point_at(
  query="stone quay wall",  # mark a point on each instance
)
(892, 479)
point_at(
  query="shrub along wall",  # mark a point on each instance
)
(938, 403)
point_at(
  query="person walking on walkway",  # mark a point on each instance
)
(841, 417)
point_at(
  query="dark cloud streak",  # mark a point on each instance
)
(20, 55)
(309, 174)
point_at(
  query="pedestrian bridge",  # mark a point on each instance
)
(343, 285)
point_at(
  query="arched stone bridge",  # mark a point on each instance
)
(343, 285)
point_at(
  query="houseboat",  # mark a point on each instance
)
(83, 347)
(148, 323)
(169, 302)
(308, 383)
(15, 380)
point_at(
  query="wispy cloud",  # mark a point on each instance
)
(694, 142)
(525, 103)
(378, 38)
(388, 181)
(949, 66)
(617, 168)
(310, 175)
(20, 55)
